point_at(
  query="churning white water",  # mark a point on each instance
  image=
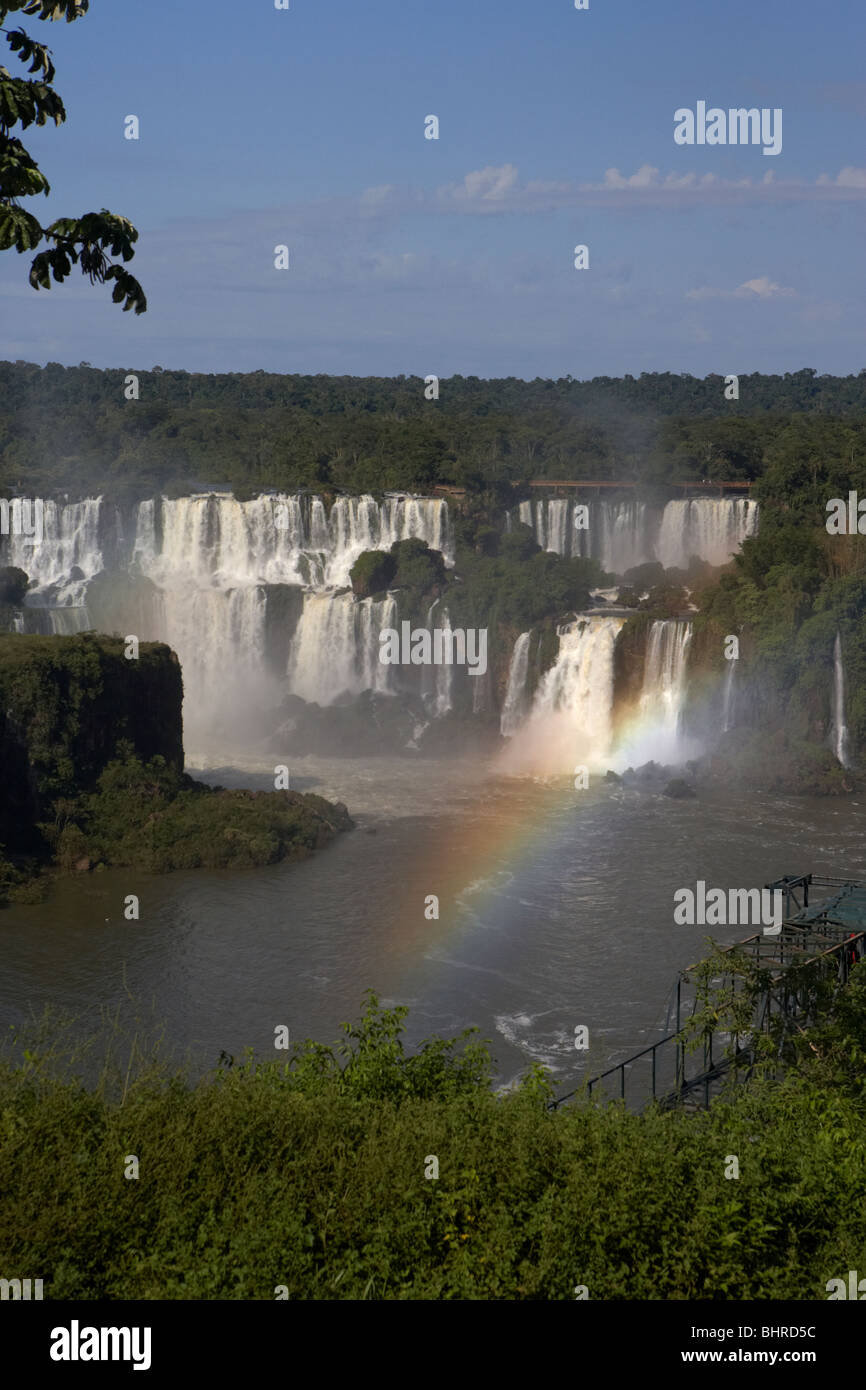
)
(278, 539)
(69, 554)
(205, 574)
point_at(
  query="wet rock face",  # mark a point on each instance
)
(629, 664)
(354, 726)
(679, 789)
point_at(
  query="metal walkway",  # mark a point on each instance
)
(829, 932)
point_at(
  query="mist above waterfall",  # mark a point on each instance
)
(571, 719)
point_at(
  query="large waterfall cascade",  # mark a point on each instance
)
(212, 563)
(202, 572)
(626, 533)
(570, 722)
(571, 719)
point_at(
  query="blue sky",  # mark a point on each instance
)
(306, 127)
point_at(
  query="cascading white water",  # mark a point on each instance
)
(210, 559)
(657, 734)
(514, 705)
(443, 698)
(622, 534)
(214, 539)
(336, 647)
(571, 720)
(840, 728)
(619, 535)
(627, 533)
(663, 690)
(711, 528)
(558, 537)
(70, 542)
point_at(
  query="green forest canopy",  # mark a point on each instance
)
(72, 428)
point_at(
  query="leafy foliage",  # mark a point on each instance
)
(372, 572)
(70, 427)
(310, 1174)
(84, 240)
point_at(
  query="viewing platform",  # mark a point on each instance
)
(689, 1065)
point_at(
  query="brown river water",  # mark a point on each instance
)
(555, 909)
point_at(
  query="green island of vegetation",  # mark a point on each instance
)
(92, 753)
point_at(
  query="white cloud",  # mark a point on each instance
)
(497, 188)
(849, 177)
(490, 184)
(760, 288)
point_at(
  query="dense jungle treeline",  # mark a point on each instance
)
(71, 428)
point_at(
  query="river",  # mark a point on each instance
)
(555, 909)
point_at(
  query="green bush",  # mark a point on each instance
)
(309, 1173)
(418, 567)
(372, 572)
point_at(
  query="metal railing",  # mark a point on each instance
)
(808, 935)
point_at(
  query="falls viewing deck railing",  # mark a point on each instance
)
(687, 1066)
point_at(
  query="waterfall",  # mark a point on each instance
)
(571, 720)
(279, 539)
(623, 534)
(69, 554)
(661, 699)
(336, 647)
(626, 535)
(558, 534)
(840, 728)
(197, 572)
(437, 682)
(514, 705)
(712, 528)
(728, 698)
